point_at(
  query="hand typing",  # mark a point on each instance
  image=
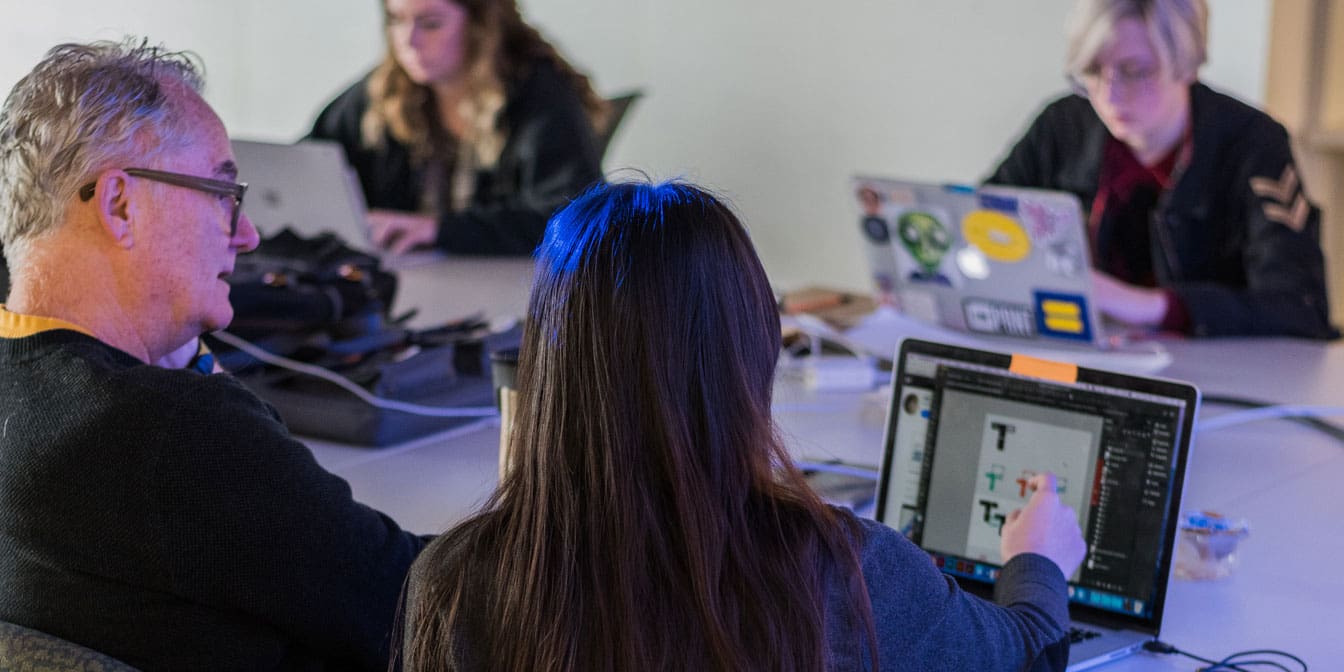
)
(401, 232)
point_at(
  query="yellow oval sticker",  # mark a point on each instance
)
(999, 236)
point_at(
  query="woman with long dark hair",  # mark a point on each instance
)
(471, 132)
(651, 519)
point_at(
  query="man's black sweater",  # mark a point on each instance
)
(168, 519)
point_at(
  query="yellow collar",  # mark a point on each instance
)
(17, 325)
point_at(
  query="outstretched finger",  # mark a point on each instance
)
(1043, 483)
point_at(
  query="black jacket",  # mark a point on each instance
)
(549, 156)
(1236, 238)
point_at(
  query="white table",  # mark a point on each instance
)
(1285, 478)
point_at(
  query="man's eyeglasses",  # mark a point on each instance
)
(1126, 77)
(233, 190)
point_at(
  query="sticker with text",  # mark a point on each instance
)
(995, 317)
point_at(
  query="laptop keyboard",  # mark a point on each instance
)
(1079, 635)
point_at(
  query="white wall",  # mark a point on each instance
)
(29, 27)
(299, 55)
(775, 103)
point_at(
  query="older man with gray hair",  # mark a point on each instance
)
(161, 515)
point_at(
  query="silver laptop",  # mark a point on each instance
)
(968, 428)
(307, 187)
(995, 261)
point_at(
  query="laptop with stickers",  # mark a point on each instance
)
(994, 261)
(967, 429)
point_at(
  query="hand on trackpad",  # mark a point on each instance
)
(400, 232)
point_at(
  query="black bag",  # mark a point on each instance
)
(295, 285)
(319, 302)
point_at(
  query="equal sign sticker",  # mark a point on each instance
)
(1062, 316)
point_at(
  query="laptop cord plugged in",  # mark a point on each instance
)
(1312, 420)
(1156, 646)
(1235, 661)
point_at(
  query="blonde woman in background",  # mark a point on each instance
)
(1198, 218)
(471, 131)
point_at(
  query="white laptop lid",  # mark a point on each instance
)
(995, 261)
(307, 187)
(967, 428)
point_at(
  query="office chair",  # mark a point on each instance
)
(619, 106)
(27, 650)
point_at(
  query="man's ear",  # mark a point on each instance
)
(112, 201)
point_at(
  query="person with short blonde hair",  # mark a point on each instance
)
(1177, 29)
(1198, 218)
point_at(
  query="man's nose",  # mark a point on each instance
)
(246, 238)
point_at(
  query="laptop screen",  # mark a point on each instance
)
(307, 187)
(968, 429)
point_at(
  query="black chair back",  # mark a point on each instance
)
(619, 106)
(34, 651)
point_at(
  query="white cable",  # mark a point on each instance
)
(353, 388)
(831, 468)
(1268, 413)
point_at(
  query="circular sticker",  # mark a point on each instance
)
(999, 236)
(972, 263)
(876, 229)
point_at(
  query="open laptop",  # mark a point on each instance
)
(306, 186)
(995, 261)
(966, 430)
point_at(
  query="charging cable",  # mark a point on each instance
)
(1331, 430)
(1269, 413)
(839, 468)
(1240, 661)
(354, 388)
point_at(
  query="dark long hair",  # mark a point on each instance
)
(651, 518)
(500, 46)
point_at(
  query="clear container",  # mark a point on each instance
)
(1207, 546)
